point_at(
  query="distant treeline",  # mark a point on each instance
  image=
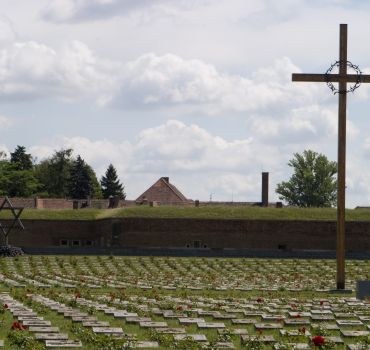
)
(59, 176)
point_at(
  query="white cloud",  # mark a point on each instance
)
(31, 70)
(153, 81)
(90, 10)
(5, 122)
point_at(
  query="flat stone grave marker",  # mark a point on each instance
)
(336, 340)
(243, 321)
(273, 317)
(299, 314)
(70, 314)
(268, 325)
(296, 321)
(294, 333)
(354, 333)
(124, 314)
(51, 336)
(296, 346)
(224, 345)
(1, 343)
(327, 326)
(30, 318)
(195, 337)
(171, 330)
(151, 324)
(233, 331)
(36, 323)
(95, 323)
(190, 320)
(352, 323)
(107, 330)
(259, 338)
(68, 343)
(322, 317)
(211, 325)
(41, 329)
(146, 344)
(137, 319)
(84, 318)
(24, 313)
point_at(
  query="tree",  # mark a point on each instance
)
(110, 184)
(17, 178)
(53, 173)
(313, 183)
(15, 182)
(21, 159)
(80, 184)
(82, 181)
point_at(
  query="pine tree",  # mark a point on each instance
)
(80, 182)
(111, 185)
(21, 159)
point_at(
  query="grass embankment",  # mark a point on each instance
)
(209, 212)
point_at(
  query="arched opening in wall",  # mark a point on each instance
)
(76, 243)
(282, 246)
(197, 244)
(205, 246)
(116, 232)
(64, 242)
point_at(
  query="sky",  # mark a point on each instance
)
(196, 90)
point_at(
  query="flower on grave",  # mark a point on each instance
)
(321, 302)
(77, 294)
(293, 306)
(259, 300)
(5, 306)
(189, 307)
(302, 330)
(179, 308)
(297, 316)
(18, 325)
(318, 340)
(112, 296)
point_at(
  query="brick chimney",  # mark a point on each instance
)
(265, 190)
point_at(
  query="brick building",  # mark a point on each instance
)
(163, 192)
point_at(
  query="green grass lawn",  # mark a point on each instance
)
(209, 212)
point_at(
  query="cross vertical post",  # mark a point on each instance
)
(341, 191)
(342, 78)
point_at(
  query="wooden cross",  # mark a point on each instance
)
(342, 79)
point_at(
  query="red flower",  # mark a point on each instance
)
(17, 325)
(259, 300)
(297, 316)
(318, 340)
(179, 308)
(321, 302)
(5, 306)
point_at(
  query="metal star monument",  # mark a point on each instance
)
(16, 211)
(342, 78)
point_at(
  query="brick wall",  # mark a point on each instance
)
(180, 233)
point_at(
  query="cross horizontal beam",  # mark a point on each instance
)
(334, 78)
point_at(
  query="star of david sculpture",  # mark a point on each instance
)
(6, 229)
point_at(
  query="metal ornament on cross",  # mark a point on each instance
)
(342, 78)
